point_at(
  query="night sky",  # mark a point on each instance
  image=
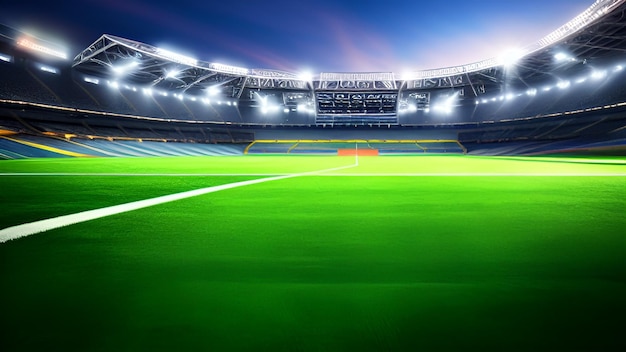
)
(298, 35)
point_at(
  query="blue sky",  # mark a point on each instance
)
(297, 35)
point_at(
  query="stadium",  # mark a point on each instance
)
(154, 201)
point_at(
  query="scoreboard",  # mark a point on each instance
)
(356, 98)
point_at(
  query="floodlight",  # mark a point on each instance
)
(193, 98)
(186, 60)
(510, 57)
(122, 69)
(485, 101)
(581, 80)
(214, 90)
(561, 57)
(618, 68)
(165, 94)
(531, 92)
(147, 91)
(48, 69)
(31, 45)
(305, 76)
(598, 74)
(92, 80)
(509, 96)
(563, 84)
(547, 89)
(5, 58)
(114, 84)
(445, 105)
(172, 74)
(286, 110)
(229, 69)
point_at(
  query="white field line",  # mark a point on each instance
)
(105, 174)
(15, 232)
(326, 174)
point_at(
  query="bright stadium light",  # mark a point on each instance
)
(147, 91)
(172, 74)
(305, 76)
(581, 80)
(510, 57)
(6, 58)
(563, 84)
(619, 68)
(266, 106)
(598, 74)
(213, 91)
(48, 69)
(531, 92)
(40, 48)
(92, 80)
(229, 69)
(113, 84)
(182, 59)
(509, 96)
(445, 105)
(560, 56)
(125, 68)
(563, 57)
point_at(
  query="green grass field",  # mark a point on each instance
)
(419, 253)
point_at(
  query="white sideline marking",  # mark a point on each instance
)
(419, 174)
(15, 232)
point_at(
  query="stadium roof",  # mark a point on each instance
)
(597, 33)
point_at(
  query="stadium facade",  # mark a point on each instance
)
(565, 92)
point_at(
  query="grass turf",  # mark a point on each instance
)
(328, 263)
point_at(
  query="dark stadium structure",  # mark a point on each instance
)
(119, 97)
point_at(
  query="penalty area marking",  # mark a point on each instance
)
(18, 231)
